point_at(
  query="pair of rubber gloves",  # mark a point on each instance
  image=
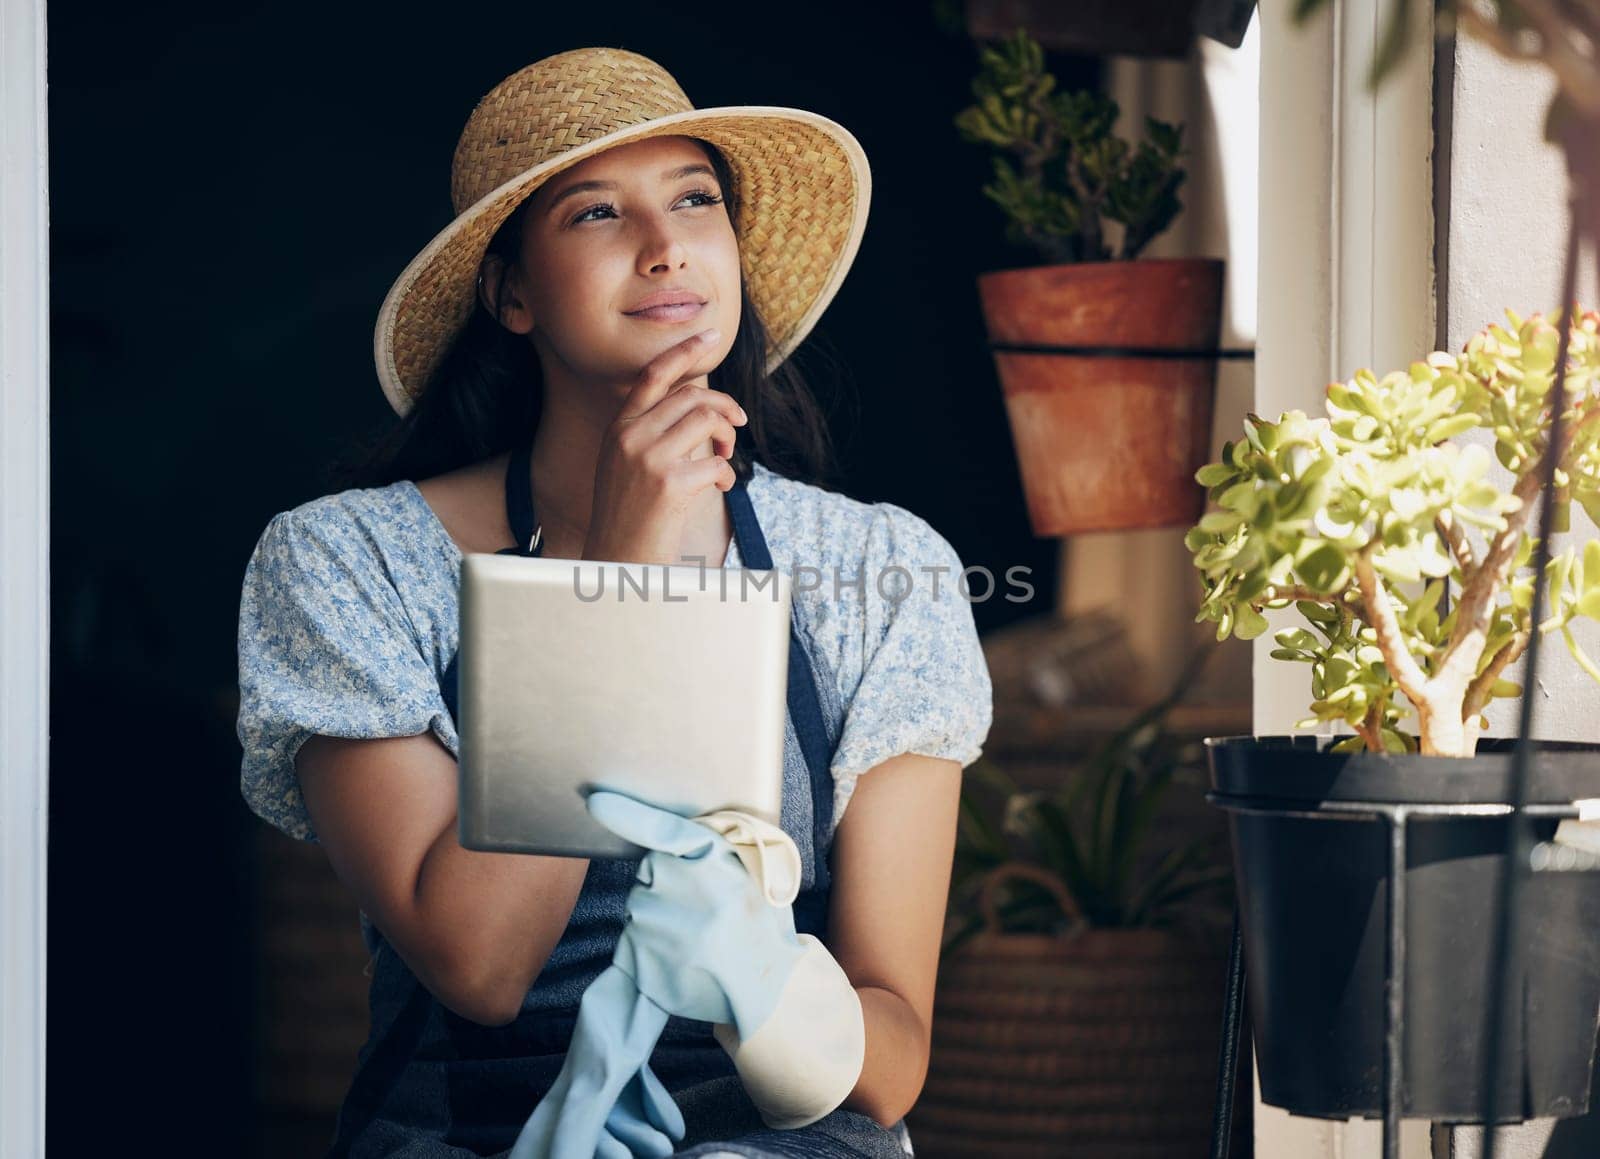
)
(710, 936)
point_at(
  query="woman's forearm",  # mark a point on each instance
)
(501, 914)
(475, 928)
(896, 1063)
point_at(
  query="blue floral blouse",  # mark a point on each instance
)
(348, 619)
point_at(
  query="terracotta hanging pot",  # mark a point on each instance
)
(1109, 374)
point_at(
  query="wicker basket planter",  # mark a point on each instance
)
(1101, 1044)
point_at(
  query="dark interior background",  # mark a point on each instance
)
(233, 188)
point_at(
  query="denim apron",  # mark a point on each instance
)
(430, 1084)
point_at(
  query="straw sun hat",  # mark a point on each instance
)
(802, 183)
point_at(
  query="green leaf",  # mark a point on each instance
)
(1560, 571)
(1324, 569)
(1319, 614)
(1590, 502)
(1136, 820)
(1173, 867)
(1251, 623)
(1220, 522)
(1113, 789)
(978, 831)
(1579, 655)
(1190, 884)
(1296, 638)
(1239, 496)
(1398, 564)
(1224, 624)
(1060, 850)
(991, 775)
(1449, 428)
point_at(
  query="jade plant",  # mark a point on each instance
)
(1362, 517)
(1060, 172)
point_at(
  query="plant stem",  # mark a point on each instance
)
(1478, 691)
(1391, 640)
(1459, 663)
(1032, 155)
(1292, 592)
(1091, 237)
(1450, 531)
(1591, 414)
(1371, 729)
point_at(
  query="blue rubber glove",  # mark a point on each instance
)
(711, 936)
(606, 1103)
(646, 1119)
(702, 940)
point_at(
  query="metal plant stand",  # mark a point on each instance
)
(1544, 858)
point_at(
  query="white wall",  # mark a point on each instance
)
(1504, 246)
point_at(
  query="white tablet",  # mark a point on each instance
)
(665, 682)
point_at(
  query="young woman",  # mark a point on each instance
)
(590, 364)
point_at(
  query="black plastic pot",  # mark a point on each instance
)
(1313, 896)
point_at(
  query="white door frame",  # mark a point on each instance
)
(1346, 234)
(24, 574)
(1346, 281)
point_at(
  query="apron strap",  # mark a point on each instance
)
(805, 708)
(519, 504)
(375, 1080)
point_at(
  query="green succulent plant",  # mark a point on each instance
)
(1088, 835)
(1060, 172)
(1360, 519)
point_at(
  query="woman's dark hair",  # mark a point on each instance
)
(488, 392)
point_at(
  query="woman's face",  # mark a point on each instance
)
(609, 236)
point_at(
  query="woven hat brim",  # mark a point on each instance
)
(804, 189)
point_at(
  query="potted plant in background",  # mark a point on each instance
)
(1080, 991)
(1150, 28)
(1359, 518)
(1107, 361)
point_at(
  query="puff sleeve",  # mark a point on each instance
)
(325, 646)
(925, 685)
